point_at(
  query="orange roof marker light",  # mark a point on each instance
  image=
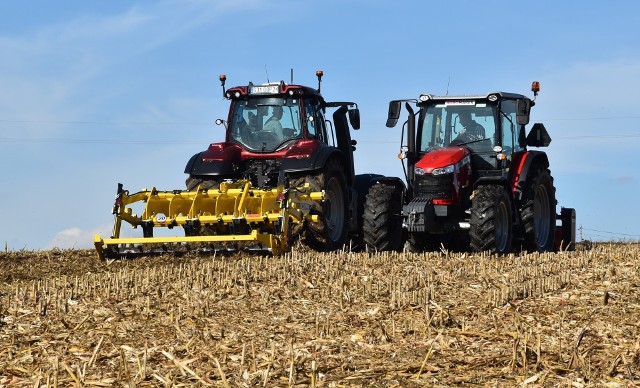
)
(319, 74)
(222, 79)
(535, 88)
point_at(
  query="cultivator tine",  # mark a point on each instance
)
(234, 213)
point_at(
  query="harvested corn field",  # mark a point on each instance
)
(325, 320)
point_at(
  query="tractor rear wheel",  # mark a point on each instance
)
(330, 232)
(382, 219)
(538, 212)
(491, 221)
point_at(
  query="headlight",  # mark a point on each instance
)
(418, 171)
(443, 170)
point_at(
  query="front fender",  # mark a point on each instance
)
(316, 162)
(197, 166)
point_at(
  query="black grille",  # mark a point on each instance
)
(433, 187)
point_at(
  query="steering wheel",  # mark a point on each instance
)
(463, 138)
(290, 132)
(266, 136)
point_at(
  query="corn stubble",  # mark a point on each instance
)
(322, 319)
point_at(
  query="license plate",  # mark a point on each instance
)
(264, 89)
(456, 103)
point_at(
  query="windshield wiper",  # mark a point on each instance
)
(469, 142)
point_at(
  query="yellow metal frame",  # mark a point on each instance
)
(268, 212)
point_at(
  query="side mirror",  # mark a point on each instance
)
(354, 118)
(538, 137)
(394, 113)
(523, 107)
(219, 121)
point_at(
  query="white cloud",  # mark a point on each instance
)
(76, 238)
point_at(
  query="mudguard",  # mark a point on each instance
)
(197, 167)
(521, 174)
(316, 162)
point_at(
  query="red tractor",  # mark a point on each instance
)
(277, 134)
(472, 182)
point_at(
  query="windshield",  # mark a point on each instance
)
(264, 124)
(455, 123)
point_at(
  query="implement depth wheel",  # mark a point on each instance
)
(491, 221)
(538, 212)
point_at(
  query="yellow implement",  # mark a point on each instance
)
(212, 219)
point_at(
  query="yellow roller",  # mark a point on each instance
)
(235, 212)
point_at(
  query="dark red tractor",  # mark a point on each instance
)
(473, 183)
(279, 134)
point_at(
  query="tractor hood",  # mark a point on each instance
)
(232, 152)
(442, 157)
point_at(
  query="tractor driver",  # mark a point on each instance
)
(472, 131)
(273, 124)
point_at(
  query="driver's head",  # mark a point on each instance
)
(277, 111)
(465, 118)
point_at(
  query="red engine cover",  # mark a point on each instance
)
(441, 158)
(461, 178)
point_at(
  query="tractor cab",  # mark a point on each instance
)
(275, 129)
(486, 125)
(477, 135)
(270, 117)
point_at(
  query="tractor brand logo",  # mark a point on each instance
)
(161, 218)
(454, 103)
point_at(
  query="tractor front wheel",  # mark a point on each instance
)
(491, 220)
(205, 184)
(330, 232)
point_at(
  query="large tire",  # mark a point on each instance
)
(330, 232)
(538, 212)
(491, 220)
(382, 218)
(205, 184)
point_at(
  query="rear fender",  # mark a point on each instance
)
(524, 164)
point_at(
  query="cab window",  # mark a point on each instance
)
(314, 119)
(509, 126)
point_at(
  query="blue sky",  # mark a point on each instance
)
(93, 93)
